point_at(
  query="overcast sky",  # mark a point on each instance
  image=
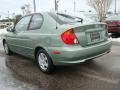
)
(14, 6)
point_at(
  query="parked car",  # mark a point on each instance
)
(113, 23)
(56, 39)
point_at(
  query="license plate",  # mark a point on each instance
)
(95, 36)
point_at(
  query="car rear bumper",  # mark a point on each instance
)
(77, 54)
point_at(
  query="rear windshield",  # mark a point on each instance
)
(63, 18)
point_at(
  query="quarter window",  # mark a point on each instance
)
(36, 22)
(23, 24)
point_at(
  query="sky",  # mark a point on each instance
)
(14, 6)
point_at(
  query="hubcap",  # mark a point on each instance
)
(43, 61)
(6, 48)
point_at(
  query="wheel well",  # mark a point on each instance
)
(36, 50)
(3, 41)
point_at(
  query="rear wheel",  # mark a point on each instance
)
(6, 48)
(44, 61)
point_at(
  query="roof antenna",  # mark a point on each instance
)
(56, 11)
(57, 20)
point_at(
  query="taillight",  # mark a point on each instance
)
(69, 37)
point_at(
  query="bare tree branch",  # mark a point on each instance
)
(101, 7)
(26, 9)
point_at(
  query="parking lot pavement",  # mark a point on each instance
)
(20, 73)
(116, 41)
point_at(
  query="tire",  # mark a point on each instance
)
(6, 48)
(44, 61)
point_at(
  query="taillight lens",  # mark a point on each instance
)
(69, 37)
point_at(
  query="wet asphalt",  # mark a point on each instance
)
(20, 73)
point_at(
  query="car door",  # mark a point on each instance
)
(17, 39)
(30, 36)
(33, 33)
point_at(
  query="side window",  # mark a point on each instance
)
(23, 24)
(36, 22)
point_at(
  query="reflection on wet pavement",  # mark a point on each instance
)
(20, 73)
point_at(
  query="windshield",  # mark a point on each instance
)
(64, 18)
(79, 16)
(86, 19)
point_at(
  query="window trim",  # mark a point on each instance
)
(22, 18)
(31, 20)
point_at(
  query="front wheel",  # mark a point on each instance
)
(44, 61)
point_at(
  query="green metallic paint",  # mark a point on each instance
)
(49, 38)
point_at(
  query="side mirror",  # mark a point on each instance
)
(10, 29)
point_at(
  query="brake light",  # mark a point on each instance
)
(69, 37)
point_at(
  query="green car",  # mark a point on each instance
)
(56, 39)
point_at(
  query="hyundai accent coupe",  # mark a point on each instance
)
(53, 39)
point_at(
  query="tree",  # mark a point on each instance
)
(56, 4)
(6, 20)
(23, 10)
(26, 9)
(101, 7)
(17, 18)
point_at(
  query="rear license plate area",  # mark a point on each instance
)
(95, 36)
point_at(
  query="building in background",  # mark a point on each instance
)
(5, 24)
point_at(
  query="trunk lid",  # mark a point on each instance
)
(89, 34)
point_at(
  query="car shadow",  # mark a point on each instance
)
(115, 35)
(26, 70)
(22, 65)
